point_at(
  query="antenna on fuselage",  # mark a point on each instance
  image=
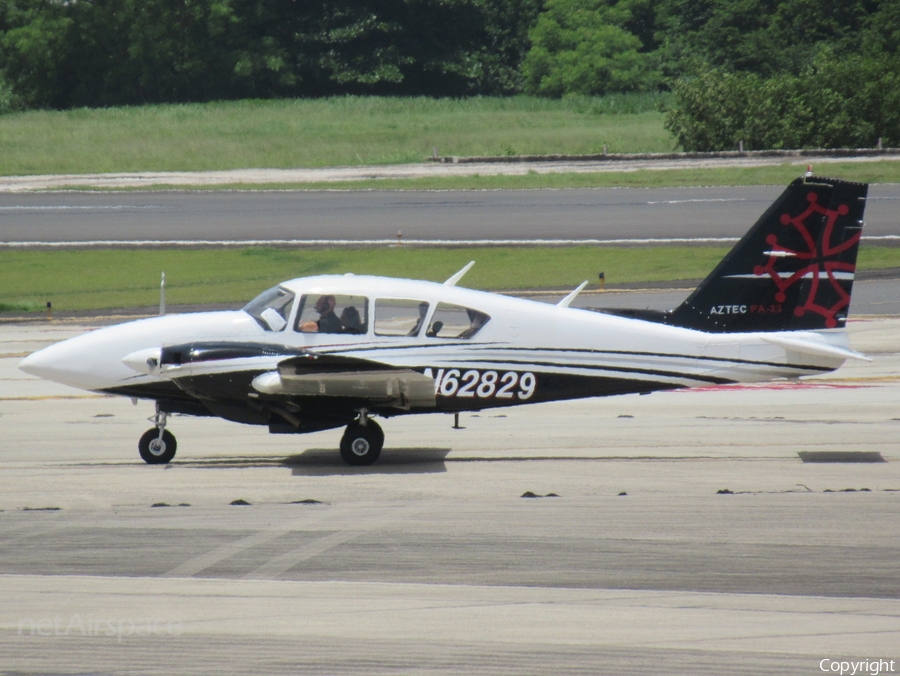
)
(459, 275)
(162, 295)
(568, 299)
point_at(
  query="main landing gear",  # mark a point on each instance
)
(361, 444)
(157, 445)
(362, 441)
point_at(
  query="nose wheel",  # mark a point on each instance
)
(157, 445)
(362, 442)
(157, 449)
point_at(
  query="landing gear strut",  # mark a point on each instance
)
(362, 441)
(157, 445)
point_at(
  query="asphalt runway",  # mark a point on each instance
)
(601, 213)
(687, 536)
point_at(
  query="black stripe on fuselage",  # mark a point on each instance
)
(172, 399)
(527, 364)
(160, 389)
(475, 347)
(727, 360)
(617, 369)
(576, 350)
(653, 372)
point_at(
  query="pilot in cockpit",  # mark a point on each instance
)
(327, 322)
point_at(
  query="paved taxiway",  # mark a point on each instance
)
(430, 561)
(601, 213)
(247, 176)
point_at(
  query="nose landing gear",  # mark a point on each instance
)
(362, 441)
(157, 445)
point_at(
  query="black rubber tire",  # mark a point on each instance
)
(156, 451)
(362, 445)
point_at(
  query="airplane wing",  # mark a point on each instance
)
(215, 372)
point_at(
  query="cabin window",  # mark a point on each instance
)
(271, 308)
(455, 321)
(332, 313)
(399, 316)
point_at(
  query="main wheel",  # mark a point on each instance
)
(156, 451)
(362, 445)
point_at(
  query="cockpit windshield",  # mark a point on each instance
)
(271, 308)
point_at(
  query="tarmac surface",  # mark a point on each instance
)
(687, 535)
(455, 215)
(870, 297)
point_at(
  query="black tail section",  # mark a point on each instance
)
(794, 269)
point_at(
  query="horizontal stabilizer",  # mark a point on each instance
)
(814, 348)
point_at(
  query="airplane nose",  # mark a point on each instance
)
(50, 363)
(115, 356)
(70, 362)
(39, 364)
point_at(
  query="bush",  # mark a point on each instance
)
(835, 103)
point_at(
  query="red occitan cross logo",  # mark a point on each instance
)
(818, 262)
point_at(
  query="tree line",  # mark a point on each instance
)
(71, 53)
(770, 73)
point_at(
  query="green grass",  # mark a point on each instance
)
(373, 130)
(322, 132)
(104, 279)
(21, 306)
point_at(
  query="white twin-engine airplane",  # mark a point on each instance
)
(329, 351)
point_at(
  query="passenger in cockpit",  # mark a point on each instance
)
(351, 321)
(423, 310)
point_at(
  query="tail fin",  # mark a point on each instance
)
(792, 271)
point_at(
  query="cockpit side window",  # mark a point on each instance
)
(399, 316)
(455, 321)
(271, 308)
(333, 313)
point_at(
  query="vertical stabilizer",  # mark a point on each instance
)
(793, 270)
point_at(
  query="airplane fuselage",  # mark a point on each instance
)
(527, 352)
